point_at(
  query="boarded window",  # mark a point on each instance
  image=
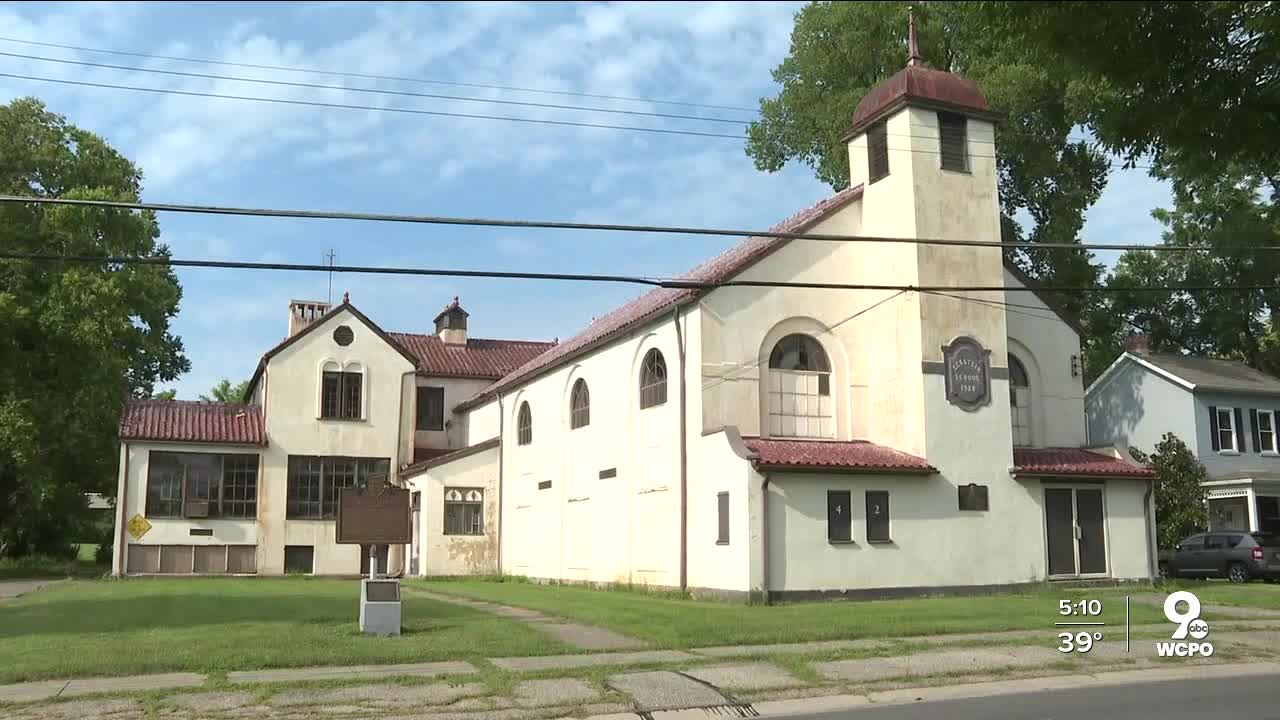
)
(430, 408)
(524, 425)
(653, 380)
(877, 152)
(722, 511)
(242, 559)
(299, 559)
(211, 559)
(463, 511)
(202, 485)
(176, 559)
(579, 405)
(839, 516)
(877, 516)
(340, 395)
(972, 496)
(953, 142)
(316, 483)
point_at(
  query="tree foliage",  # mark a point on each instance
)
(78, 339)
(225, 392)
(1180, 508)
(165, 395)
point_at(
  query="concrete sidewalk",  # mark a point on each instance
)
(732, 680)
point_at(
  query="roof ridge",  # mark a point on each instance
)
(470, 339)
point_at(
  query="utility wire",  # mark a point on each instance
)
(670, 283)
(376, 91)
(368, 76)
(554, 225)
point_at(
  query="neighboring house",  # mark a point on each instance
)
(740, 440)
(1226, 412)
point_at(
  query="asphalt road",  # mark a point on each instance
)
(1255, 697)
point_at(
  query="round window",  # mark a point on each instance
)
(343, 335)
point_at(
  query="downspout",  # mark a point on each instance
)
(764, 540)
(122, 508)
(398, 464)
(1153, 549)
(684, 462)
(502, 415)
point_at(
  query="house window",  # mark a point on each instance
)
(200, 485)
(877, 152)
(972, 497)
(463, 511)
(877, 516)
(722, 516)
(839, 516)
(340, 395)
(953, 142)
(579, 405)
(799, 389)
(316, 483)
(653, 380)
(1020, 402)
(431, 408)
(1225, 427)
(299, 559)
(524, 425)
(1264, 431)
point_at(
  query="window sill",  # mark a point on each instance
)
(422, 429)
(1270, 453)
(722, 542)
(879, 542)
(339, 419)
(578, 499)
(312, 519)
(966, 171)
(1228, 452)
(449, 534)
(842, 542)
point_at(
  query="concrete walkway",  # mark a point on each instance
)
(17, 588)
(585, 637)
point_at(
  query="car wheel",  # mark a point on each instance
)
(1164, 570)
(1238, 573)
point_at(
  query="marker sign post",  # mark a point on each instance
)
(371, 516)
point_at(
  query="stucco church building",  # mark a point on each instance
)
(742, 441)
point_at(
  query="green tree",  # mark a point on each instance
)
(1180, 508)
(78, 338)
(225, 392)
(840, 50)
(165, 395)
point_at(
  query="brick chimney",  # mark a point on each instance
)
(304, 312)
(1138, 344)
(451, 324)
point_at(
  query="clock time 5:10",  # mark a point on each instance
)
(1080, 607)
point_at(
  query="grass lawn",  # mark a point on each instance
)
(1254, 594)
(45, 567)
(210, 625)
(669, 621)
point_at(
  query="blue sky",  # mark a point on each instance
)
(227, 152)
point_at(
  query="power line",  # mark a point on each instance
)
(555, 225)
(368, 76)
(670, 283)
(376, 91)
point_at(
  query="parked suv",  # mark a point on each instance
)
(1234, 554)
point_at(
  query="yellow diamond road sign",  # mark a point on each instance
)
(138, 526)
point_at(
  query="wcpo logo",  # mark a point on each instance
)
(1189, 623)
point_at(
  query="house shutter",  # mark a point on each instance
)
(1213, 427)
(839, 516)
(1240, 429)
(877, 152)
(722, 506)
(952, 142)
(1257, 437)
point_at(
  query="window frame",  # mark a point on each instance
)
(524, 424)
(1229, 429)
(472, 511)
(954, 119)
(422, 406)
(215, 492)
(579, 405)
(1019, 378)
(841, 534)
(1269, 432)
(653, 379)
(877, 149)
(327, 495)
(346, 383)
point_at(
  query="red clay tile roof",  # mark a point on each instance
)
(1074, 462)
(446, 457)
(858, 456)
(194, 422)
(479, 358)
(651, 304)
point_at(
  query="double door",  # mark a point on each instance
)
(1075, 531)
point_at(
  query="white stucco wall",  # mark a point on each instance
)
(442, 554)
(294, 428)
(456, 390)
(1045, 345)
(1127, 529)
(480, 423)
(176, 531)
(716, 468)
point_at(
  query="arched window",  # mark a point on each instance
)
(340, 391)
(1020, 402)
(653, 380)
(524, 425)
(579, 405)
(799, 389)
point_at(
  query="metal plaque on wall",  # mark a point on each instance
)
(374, 515)
(967, 372)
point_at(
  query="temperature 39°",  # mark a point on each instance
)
(1081, 642)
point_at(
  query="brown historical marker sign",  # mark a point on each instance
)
(968, 373)
(376, 515)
